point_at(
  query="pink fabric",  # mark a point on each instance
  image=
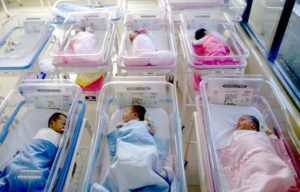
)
(144, 53)
(95, 86)
(81, 43)
(211, 45)
(252, 164)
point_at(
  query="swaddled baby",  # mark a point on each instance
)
(251, 162)
(83, 42)
(134, 163)
(29, 169)
(213, 46)
(146, 52)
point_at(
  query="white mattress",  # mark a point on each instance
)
(24, 52)
(223, 120)
(160, 119)
(28, 125)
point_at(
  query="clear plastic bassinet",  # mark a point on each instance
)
(132, 5)
(216, 23)
(159, 99)
(159, 27)
(234, 8)
(26, 110)
(222, 102)
(99, 28)
(23, 39)
(62, 8)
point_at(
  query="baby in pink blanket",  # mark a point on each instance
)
(211, 45)
(146, 52)
(251, 161)
(80, 49)
(83, 42)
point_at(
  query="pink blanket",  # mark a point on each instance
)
(212, 46)
(82, 43)
(252, 164)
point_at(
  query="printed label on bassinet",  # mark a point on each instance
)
(232, 96)
(151, 99)
(51, 101)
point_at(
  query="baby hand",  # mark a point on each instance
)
(119, 125)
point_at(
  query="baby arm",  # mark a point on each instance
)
(119, 125)
(152, 130)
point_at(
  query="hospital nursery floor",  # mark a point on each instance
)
(8, 81)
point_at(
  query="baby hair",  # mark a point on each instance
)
(140, 110)
(200, 33)
(54, 117)
(254, 120)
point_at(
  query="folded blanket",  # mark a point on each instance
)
(135, 160)
(251, 164)
(29, 169)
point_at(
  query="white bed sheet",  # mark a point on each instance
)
(28, 125)
(24, 51)
(223, 120)
(161, 121)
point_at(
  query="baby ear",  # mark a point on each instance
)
(135, 114)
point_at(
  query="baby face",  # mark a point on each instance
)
(129, 114)
(244, 123)
(59, 124)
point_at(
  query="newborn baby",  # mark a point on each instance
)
(208, 44)
(246, 124)
(29, 169)
(141, 42)
(134, 161)
(251, 163)
(212, 46)
(145, 52)
(83, 42)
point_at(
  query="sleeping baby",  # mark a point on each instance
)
(134, 158)
(143, 47)
(211, 45)
(83, 42)
(29, 169)
(251, 162)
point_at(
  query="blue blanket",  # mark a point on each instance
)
(28, 170)
(136, 161)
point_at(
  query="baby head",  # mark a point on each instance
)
(248, 122)
(57, 122)
(200, 33)
(134, 112)
(80, 29)
(133, 35)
